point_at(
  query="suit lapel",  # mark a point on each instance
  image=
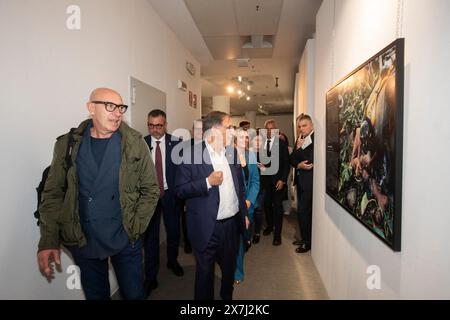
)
(206, 159)
(85, 156)
(168, 151)
(230, 154)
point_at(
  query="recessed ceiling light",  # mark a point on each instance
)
(248, 98)
(230, 89)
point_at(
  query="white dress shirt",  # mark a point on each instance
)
(162, 146)
(228, 204)
(272, 139)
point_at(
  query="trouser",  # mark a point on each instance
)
(222, 248)
(273, 207)
(127, 266)
(258, 213)
(246, 237)
(183, 225)
(304, 213)
(167, 208)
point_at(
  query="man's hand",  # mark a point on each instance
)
(305, 165)
(248, 203)
(247, 222)
(215, 178)
(279, 185)
(299, 143)
(261, 167)
(45, 259)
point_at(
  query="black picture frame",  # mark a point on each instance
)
(364, 143)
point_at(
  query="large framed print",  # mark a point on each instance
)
(364, 141)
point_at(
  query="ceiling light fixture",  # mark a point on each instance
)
(240, 85)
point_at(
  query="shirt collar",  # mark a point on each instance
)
(212, 151)
(310, 134)
(162, 140)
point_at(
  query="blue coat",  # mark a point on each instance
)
(202, 205)
(99, 199)
(252, 184)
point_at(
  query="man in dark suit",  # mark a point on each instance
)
(196, 140)
(302, 159)
(161, 144)
(274, 177)
(214, 190)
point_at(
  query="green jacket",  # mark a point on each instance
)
(138, 187)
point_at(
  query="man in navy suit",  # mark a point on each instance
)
(161, 145)
(214, 190)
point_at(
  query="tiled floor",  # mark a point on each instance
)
(276, 273)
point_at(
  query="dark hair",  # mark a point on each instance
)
(285, 137)
(304, 117)
(244, 123)
(214, 118)
(156, 113)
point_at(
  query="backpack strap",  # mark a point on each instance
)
(70, 144)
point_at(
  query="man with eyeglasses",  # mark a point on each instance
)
(161, 144)
(110, 197)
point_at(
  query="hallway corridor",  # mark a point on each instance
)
(273, 273)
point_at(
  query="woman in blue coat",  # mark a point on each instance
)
(249, 166)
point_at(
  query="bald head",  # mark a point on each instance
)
(105, 122)
(105, 94)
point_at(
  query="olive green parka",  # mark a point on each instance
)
(138, 188)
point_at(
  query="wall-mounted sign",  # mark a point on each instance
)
(190, 67)
(190, 98)
(182, 85)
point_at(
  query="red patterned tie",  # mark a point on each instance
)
(159, 168)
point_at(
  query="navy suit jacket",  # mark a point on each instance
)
(202, 205)
(303, 178)
(171, 168)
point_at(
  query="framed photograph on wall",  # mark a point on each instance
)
(364, 142)
(194, 101)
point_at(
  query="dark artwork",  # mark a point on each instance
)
(364, 125)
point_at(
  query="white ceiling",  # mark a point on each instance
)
(214, 31)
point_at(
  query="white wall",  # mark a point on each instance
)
(305, 81)
(284, 123)
(342, 247)
(47, 73)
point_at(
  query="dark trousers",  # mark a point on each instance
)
(258, 213)
(168, 208)
(273, 206)
(304, 213)
(222, 248)
(127, 266)
(183, 224)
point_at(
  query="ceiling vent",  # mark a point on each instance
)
(258, 42)
(242, 62)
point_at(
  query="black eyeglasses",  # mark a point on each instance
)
(155, 126)
(111, 107)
